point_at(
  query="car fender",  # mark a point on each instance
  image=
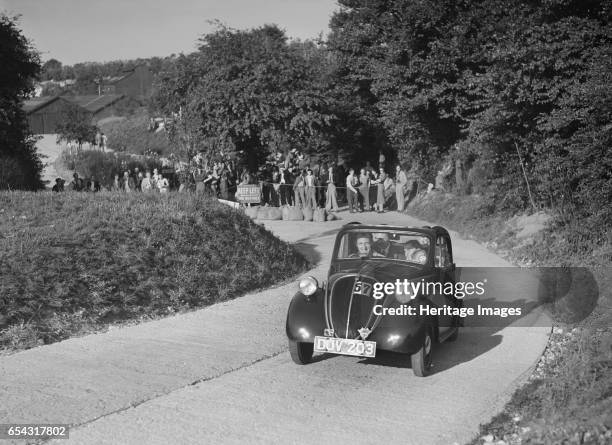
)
(306, 317)
(404, 334)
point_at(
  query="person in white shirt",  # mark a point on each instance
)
(154, 179)
(364, 190)
(163, 184)
(311, 197)
(146, 185)
(351, 191)
(401, 184)
(332, 199)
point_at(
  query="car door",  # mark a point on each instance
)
(445, 270)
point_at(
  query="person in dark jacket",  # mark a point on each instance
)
(59, 185)
(77, 183)
(285, 180)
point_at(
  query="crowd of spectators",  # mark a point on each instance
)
(284, 180)
(295, 181)
(129, 181)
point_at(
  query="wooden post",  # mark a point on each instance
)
(525, 176)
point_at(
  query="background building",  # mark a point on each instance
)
(46, 112)
(136, 83)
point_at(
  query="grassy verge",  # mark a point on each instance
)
(568, 399)
(73, 263)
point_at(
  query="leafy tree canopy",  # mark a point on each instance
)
(75, 126)
(489, 83)
(20, 166)
(246, 93)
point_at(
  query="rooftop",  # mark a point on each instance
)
(93, 103)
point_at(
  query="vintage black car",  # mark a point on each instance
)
(388, 288)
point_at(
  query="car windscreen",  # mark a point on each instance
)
(403, 245)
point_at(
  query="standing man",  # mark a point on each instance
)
(298, 188)
(332, 179)
(364, 190)
(198, 177)
(137, 178)
(351, 191)
(401, 184)
(380, 190)
(321, 181)
(128, 182)
(266, 185)
(276, 185)
(285, 187)
(311, 198)
(103, 140)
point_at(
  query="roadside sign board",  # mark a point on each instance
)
(249, 194)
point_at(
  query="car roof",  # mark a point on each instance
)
(425, 230)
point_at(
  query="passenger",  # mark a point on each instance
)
(381, 244)
(415, 252)
(382, 247)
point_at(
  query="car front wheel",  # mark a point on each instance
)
(421, 360)
(301, 353)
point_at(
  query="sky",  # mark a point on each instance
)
(73, 31)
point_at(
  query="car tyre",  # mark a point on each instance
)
(301, 353)
(421, 360)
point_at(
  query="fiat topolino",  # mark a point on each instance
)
(364, 306)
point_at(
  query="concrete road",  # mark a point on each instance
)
(223, 374)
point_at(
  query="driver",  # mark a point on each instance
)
(364, 246)
(415, 252)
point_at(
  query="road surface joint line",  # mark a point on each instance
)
(180, 388)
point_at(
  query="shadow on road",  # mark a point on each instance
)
(446, 355)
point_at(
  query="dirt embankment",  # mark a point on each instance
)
(572, 376)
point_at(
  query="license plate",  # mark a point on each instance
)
(345, 346)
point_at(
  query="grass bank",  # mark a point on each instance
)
(73, 263)
(568, 399)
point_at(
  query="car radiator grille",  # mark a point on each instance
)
(350, 311)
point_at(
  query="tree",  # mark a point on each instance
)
(246, 93)
(404, 60)
(51, 70)
(132, 135)
(20, 165)
(470, 81)
(75, 126)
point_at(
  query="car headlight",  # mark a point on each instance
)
(308, 285)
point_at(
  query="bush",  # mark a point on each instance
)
(103, 166)
(573, 379)
(21, 172)
(20, 164)
(132, 135)
(76, 262)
